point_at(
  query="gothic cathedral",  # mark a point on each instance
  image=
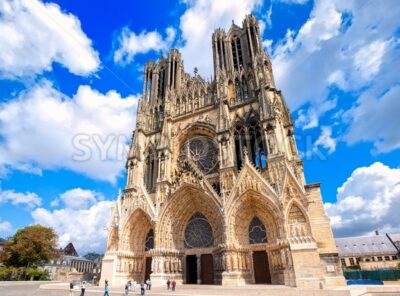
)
(215, 190)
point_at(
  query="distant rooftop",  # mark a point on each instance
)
(365, 245)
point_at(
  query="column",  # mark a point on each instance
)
(198, 269)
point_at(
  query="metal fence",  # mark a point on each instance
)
(378, 274)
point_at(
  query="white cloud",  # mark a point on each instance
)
(376, 119)
(325, 139)
(5, 228)
(198, 23)
(347, 44)
(88, 133)
(294, 1)
(368, 60)
(33, 35)
(130, 44)
(368, 200)
(28, 199)
(82, 223)
(79, 199)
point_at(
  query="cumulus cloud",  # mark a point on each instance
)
(368, 200)
(376, 119)
(199, 21)
(80, 222)
(325, 139)
(5, 228)
(28, 199)
(33, 35)
(88, 133)
(130, 44)
(343, 44)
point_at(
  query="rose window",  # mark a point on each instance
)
(202, 151)
(198, 232)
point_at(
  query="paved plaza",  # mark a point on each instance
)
(55, 289)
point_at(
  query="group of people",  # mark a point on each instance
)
(132, 286)
(171, 285)
(129, 286)
(71, 288)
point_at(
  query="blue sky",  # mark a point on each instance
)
(71, 74)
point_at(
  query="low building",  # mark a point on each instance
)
(368, 252)
(69, 266)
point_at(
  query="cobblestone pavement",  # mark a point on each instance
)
(32, 289)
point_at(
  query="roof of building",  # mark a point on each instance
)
(69, 250)
(395, 237)
(365, 245)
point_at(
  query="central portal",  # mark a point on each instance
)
(205, 275)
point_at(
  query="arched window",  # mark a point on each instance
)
(257, 149)
(253, 140)
(198, 232)
(149, 240)
(236, 53)
(148, 84)
(240, 143)
(257, 232)
(151, 172)
(238, 90)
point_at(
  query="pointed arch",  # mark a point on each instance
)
(185, 203)
(135, 231)
(297, 220)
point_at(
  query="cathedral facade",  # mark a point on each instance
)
(215, 190)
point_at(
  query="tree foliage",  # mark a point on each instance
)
(29, 246)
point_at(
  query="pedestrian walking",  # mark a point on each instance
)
(168, 284)
(71, 289)
(149, 283)
(142, 289)
(126, 289)
(83, 287)
(106, 290)
(173, 285)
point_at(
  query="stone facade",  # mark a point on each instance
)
(215, 188)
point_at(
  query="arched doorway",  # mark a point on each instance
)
(139, 240)
(258, 235)
(192, 224)
(253, 223)
(199, 235)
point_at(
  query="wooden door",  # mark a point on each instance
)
(207, 269)
(261, 268)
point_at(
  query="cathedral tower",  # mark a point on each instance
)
(215, 190)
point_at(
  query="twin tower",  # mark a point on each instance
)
(215, 190)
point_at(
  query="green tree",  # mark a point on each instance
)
(29, 246)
